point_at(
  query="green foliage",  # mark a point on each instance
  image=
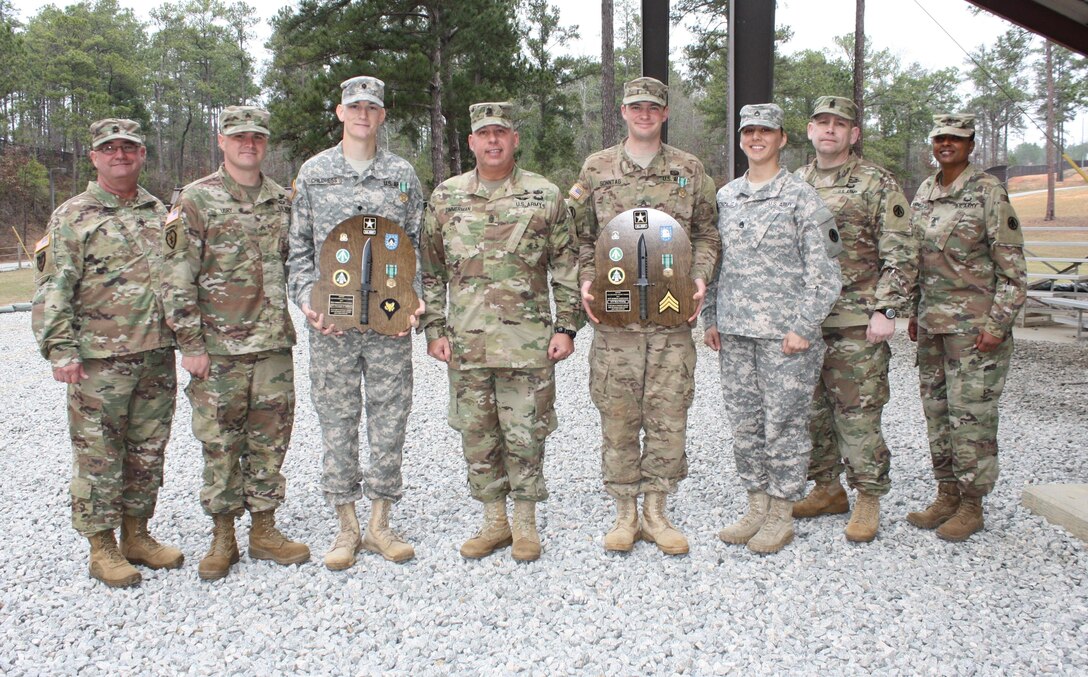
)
(1001, 81)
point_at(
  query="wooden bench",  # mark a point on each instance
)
(1078, 306)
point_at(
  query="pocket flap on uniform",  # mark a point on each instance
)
(81, 487)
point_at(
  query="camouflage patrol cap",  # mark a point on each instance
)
(836, 105)
(362, 88)
(115, 128)
(495, 113)
(238, 119)
(953, 124)
(767, 115)
(646, 89)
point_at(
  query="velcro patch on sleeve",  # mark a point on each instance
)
(578, 192)
(897, 214)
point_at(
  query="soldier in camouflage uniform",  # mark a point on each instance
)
(98, 320)
(973, 282)
(491, 236)
(225, 293)
(879, 268)
(642, 376)
(356, 177)
(777, 282)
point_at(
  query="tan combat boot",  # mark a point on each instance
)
(267, 542)
(526, 539)
(139, 547)
(966, 521)
(223, 551)
(940, 510)
(826, 498)
(381, 539)
(741, 531)
(493, 534)
(108, 564)
(347, 544)
(865, 520)
(656, 527)
(626, 529)
(777, 530)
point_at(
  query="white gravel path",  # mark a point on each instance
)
(1012, 600)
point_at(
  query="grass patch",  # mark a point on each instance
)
(16, 286)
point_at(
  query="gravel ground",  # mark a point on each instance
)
(1012, 600)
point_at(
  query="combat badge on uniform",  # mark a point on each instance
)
(646, 258)
(367, 265)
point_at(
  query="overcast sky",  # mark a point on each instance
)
(911, 29)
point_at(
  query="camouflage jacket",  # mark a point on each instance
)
(225, 281)
(98, 278)
(972, 272)
(675, 182)
(327, 191)
(879, 259)
(494, 254)
(778, 272)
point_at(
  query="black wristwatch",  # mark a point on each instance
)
(569, 332)
(888, 313)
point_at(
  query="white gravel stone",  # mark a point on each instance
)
(1011, 600)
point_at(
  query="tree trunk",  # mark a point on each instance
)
(438, 121)
(609, 131)
(859, 71)
(1051, 155)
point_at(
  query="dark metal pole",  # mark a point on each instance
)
(655, 45)
(751, 65)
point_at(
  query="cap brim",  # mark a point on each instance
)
(348, 100)
(952, 131)
(480, 124)
(241, 129)
(119, 135)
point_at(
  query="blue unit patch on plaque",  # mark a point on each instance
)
(615, 253)
(666, 233)
(343, 255)
(392, 240)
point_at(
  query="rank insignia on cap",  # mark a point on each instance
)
(390, 307)
(642, 219)
(616, 275)
(391, 241)
(668, 302)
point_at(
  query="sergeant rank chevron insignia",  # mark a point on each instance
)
(668, 302)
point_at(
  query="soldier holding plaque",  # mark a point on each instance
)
(642, 363)
(490, 239)
(357, 180)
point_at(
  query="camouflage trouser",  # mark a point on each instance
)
(767, 397)
(960, 388)
(504, 416)
(642, 381)
(846, 410)
(119, 418)
(243, 413)
(339, 366)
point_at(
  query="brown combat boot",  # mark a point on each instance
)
(777, 530)
(940, 510)
(223, 551)
(866, 519)
(108, 564)
(493, 534)
(626, 530)
(656, 527)
(526, 539)
(826, 498)
(267, 542)
(381, 539)
(347, 544)
(741, 531)
(139, 547)
(966, 521)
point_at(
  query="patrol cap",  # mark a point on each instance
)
(238, 119)
(953, 124)
(836, 105)
(362, 88)
(646, 89)
(767, 115)
(494, 113)
(115, 128)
